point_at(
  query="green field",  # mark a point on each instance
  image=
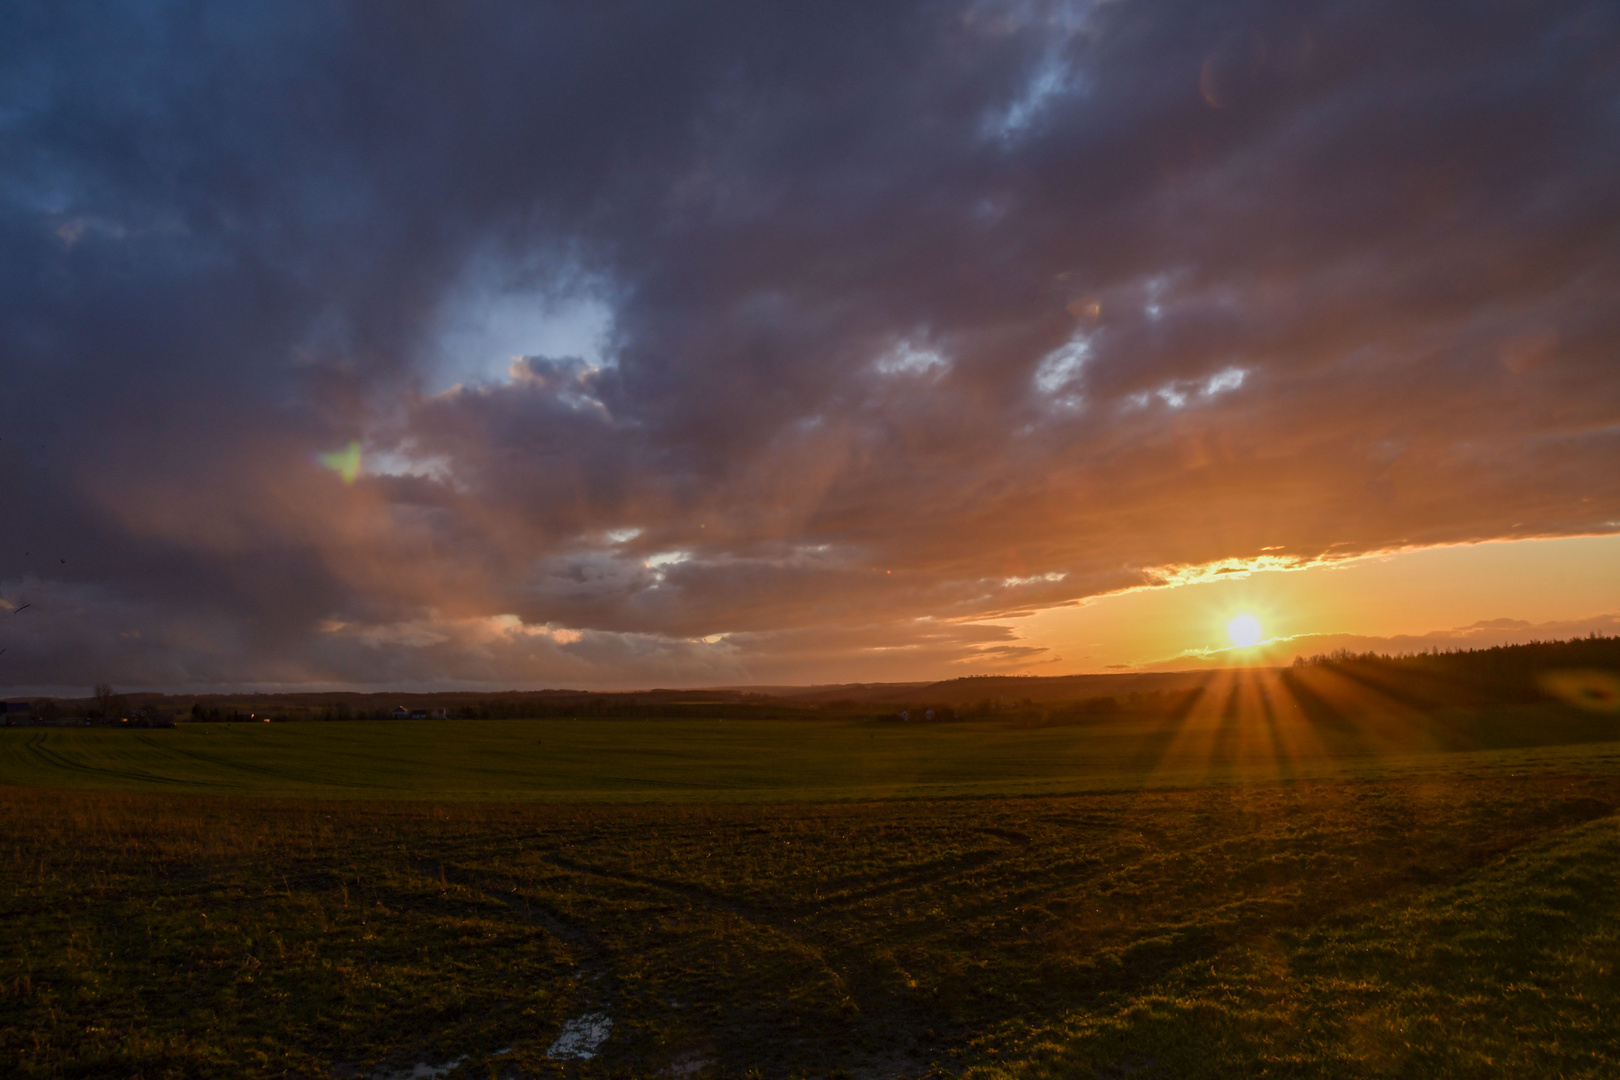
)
(1204, 896)
(737, 761)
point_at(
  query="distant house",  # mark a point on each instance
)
(13, 712)
(402, 713)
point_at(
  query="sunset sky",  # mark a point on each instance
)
(620, 345)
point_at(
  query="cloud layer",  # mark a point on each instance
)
(720, 342)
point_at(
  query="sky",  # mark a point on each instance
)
(488, 344)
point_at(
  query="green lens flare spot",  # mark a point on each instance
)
(345, 462)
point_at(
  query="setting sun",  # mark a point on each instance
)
(1244, 630)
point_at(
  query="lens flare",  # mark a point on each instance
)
(1244, 630)
(345, 462)
(1596, 691)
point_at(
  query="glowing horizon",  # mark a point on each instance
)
(1446, 596)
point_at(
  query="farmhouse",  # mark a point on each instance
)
(15, 712)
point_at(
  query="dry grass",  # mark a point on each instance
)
(162, 936)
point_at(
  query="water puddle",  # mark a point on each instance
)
(420, 1071)
(581, 1037)
(690, 1065)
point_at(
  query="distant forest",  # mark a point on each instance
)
(1582, 671)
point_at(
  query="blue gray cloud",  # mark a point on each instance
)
(720, 342)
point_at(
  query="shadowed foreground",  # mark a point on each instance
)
(1455, 925)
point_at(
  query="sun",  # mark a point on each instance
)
(1244, 631)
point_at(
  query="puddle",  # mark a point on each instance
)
(689, 1065)
(420, 1071)
(581, 1037)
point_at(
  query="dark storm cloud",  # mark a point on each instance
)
(913, 314)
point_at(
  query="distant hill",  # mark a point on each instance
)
(1509, 673)
(973, 689)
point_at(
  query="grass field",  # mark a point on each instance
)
(1202, 898)
(761, 760)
